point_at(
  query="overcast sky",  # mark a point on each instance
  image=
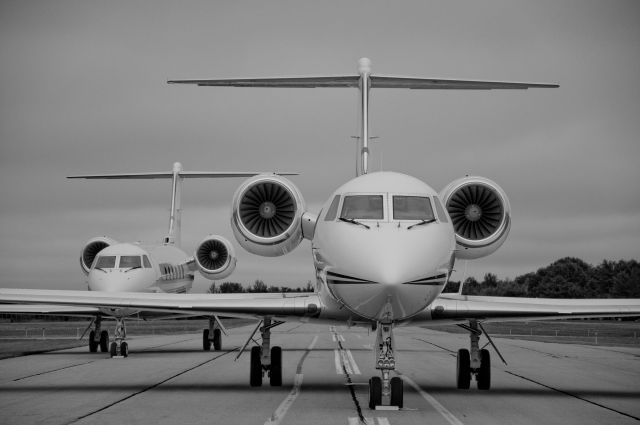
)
(83, 90)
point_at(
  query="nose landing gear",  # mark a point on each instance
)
(119, 348)
(385, 390)
(212, 335)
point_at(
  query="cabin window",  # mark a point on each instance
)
(363, 207)
(106, 262)
(412, 208)
(440, 210)
(333, 209)
(146, 262)
(130, 261)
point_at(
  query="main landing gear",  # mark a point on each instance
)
(119, 348)
(475, 362)
(98, 337)
(264, 358)
(385, 390)
(212, 335)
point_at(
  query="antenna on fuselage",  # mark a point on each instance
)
(364, 81)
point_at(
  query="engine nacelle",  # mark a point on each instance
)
(91, 249)
(215, 257)
(267, 215)
(481, 215)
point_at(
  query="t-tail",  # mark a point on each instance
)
(365, 81)
(177, 176)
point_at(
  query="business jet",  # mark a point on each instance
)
(384, 246)
(125, 267)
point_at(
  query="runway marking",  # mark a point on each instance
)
(337, 337)
(281, 411)
(345, 363)
(369, 421)
(573, 395)
(432, 401)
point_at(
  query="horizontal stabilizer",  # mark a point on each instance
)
(183, 174)
(375, 81)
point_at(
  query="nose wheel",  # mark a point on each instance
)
(119, 348)
(212, 336)
(385, 390)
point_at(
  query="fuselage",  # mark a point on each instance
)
(127, 267)
(383, 246)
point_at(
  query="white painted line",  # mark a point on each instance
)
(354, 421)
(387, 408)
(346, 362)
(432, 401)
(333, 337)
(339, 370)
(383, 421)
(353, 363)
(341, 338)
(281, 411)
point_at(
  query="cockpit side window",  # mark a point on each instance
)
(440, 210)
(412, 208)
(333, 209)
(130, 261)
(363, 207)
(147, 263)
(105, 262)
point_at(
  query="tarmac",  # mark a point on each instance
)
(170, 380)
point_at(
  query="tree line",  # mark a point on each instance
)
(567, 277)
(258, 287)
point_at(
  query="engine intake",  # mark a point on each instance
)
(266, 218)
(215, 257)
(481, 215)
(91, 249)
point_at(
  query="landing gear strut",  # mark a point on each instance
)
(266, 359)
(474, 362)
(390, 389)
(98, 337)
(119, 348)
(212, 335)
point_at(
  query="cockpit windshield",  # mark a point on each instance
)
(363, 207)
(106, 262)
(412, 208)
(130, 261)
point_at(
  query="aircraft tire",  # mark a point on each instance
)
(113, 349)
(463, 370)
(375, 392)
(275, 372)
(124, 349)
(93, 345)
(397, 392)
(484, 373)
(206, 343)
(104, 341)
(255, 372)
(217, 339)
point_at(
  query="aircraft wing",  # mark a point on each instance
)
(454, 308)
(48, 310)
(233, 305)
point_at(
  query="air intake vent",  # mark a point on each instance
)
(212, 254)
(267, 209)
(476, 211)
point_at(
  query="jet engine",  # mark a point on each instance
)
(267, 215)
(215, 257)
(481, 215)
(91, 249)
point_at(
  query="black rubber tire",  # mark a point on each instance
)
(275, 371)
(104, 341)
(124, 349)
(397, 392)
(93, 345)
(206, 342)
(463, 369)
(375, 392)
(113, 351)
(484, 373)
(255, 372)
(217, 340)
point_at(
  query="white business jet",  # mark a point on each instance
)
(383, 245)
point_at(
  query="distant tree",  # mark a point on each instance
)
(309, 287)
(212, 289)
(231, 287)
(259, 286)
(273, 288)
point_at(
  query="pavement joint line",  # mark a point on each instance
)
(351, 388)
(151, 387)
(51, 371)
(282, 409)
(450, 417)
(573, 395)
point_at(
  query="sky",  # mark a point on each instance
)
(83, 90)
